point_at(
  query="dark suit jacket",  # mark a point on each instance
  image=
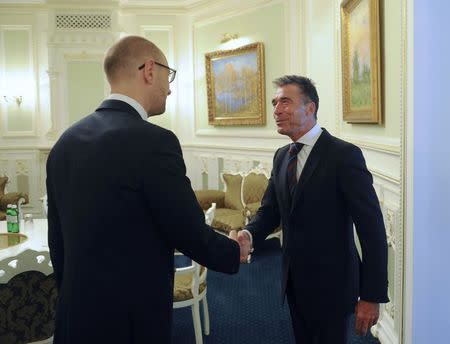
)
(319, 254)
(119, 203)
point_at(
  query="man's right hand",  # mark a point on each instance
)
(244, 243)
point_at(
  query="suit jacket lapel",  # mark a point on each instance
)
(282, 182)
(310, 165)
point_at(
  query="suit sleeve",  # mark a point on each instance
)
(176, 211)
(55, 238)
(356, 185)
(267, 218)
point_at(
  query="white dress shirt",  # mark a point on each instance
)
(130, 101)
(308, 140)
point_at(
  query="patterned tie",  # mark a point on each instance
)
(294, 149)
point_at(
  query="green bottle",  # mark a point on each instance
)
(13, 219)
(8, 219)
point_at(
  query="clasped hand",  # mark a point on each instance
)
(243, 240)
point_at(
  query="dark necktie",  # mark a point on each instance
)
(294, 149)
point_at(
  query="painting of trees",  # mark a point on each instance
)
(361, 61)
(361, 95)
(235, 86)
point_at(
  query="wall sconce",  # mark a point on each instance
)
(10, 99)
(228, 37)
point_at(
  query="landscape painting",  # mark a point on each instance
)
(235, 86)
(361, 61)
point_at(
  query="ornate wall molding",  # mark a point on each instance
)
(22, 84)
(68, 39)
(376, 144)
(54, 78)
(224, 10)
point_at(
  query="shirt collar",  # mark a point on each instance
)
(130, 101)
(310, 138)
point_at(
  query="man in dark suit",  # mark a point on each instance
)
(119, 202)
(319, 188)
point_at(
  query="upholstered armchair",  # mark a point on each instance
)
(229, 214)
(9, 198)
(238, 202)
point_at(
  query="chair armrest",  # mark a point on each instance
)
(206, 197)
(250, 210)
(12, 198)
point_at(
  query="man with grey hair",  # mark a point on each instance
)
(319, 188)
(119, 203)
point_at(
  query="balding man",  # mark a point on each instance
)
(119, 202)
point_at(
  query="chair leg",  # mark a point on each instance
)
(205, 316)
(197, 325)
(281, 238)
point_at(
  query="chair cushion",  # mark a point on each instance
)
(253, 187)
(182, 287)
(206, 197)
(226, 220)
(233, 191)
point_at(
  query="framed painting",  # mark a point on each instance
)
(236, 86)
(361, 70)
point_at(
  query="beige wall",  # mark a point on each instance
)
(85, 80)
(261, 25)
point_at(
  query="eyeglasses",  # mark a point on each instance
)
(172, 72)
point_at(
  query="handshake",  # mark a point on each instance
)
(243, 239)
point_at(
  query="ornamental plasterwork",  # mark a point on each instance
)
(3, 168)
(22, 168)
(259, 169)
(390, 223)
(68, 38)
(236, 164)
(204, 159)
(390, 308)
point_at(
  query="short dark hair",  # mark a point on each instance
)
(305, 85)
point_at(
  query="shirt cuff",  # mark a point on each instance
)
(250, 236)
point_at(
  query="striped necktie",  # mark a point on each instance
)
(294, 149)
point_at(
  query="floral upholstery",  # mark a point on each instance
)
(182, 287)
(27, 308)
(233, 184)
(207, 197)
(253, 187)
(228, 219)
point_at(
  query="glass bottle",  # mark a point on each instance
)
(8, 218)
(14, 219)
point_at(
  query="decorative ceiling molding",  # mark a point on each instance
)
(174, 4)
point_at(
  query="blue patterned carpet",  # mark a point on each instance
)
(245, 308)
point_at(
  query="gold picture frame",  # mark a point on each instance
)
(236, 86)
(361, 69)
